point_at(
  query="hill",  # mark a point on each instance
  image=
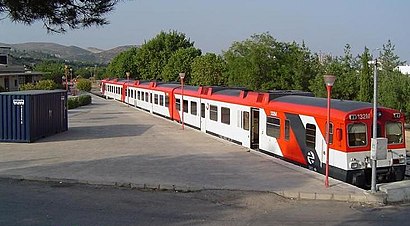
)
(41, 50)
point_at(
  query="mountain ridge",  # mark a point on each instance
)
(66, 53)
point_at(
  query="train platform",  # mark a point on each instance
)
(110, 143)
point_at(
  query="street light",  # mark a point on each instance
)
(128, 91)
(182, 76)
(329, 81)
(66, 77)
(374, 160)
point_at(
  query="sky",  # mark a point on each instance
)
(325, 26)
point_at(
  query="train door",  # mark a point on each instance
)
(254, 128)
(202, 118)
(313, 156)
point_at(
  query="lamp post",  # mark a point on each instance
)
(182, 76)
(128, 91)
(374, 160)
(66, 77)
(329, 81)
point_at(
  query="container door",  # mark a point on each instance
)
(255, 128)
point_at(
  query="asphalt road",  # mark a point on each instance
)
(35, 203)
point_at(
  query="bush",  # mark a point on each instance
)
(84, 85)
(41, 85)
(84, 100)
(27, 86)
(2, 89)
(46, 85)
(75, 102)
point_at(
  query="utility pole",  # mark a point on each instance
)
(374, 160)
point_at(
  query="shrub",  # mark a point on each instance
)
(84, 100)
(41, 85)
(27, 86)
(46, 85)
(84, 85)
(75, 102)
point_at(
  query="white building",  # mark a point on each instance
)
(404, 69)
(12, 76)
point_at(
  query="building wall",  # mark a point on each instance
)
(404, 69)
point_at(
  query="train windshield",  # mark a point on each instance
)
(357, 134)
(394, 132)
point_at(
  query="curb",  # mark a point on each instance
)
(366, 197)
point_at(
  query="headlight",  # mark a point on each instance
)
(354, 164)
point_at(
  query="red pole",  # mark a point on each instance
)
(182, 104)
(329, 90)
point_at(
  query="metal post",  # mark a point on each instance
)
(329, 81)
(374, 161)
(329, 90)
(128, 91)
(182, 76)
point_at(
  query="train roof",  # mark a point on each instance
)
(341, 105)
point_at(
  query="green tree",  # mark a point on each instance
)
(52, 71)
(57, 15)
(124, 62)
(84, 85)
(388, 58)
(153, 56)
(346, 71)
(392, 85)
(250, 63)
(365, 80)
(180, 61)
(208, 70)
(262, 62)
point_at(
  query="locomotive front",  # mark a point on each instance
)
(359, 127)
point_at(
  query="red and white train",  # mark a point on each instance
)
(286, 124)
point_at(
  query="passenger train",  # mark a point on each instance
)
(287, 124)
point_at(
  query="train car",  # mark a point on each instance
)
(294, 128)
(287, 124)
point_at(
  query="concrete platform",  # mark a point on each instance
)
(110, 143)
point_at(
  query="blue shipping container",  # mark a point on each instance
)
(27, 116)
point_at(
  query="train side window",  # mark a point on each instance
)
(202, 110)
(178, 104)
(394, 132)
(330, 133)
(357, 134)
(155, 98)
(245, 120)
(150, 97)
(193, 108)
(287, 129)
(161, 100)
(225, 115)
(273, 127)
(213, 112)
(186, 106)
(310, 136)
(138, 95)
(166, 101)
